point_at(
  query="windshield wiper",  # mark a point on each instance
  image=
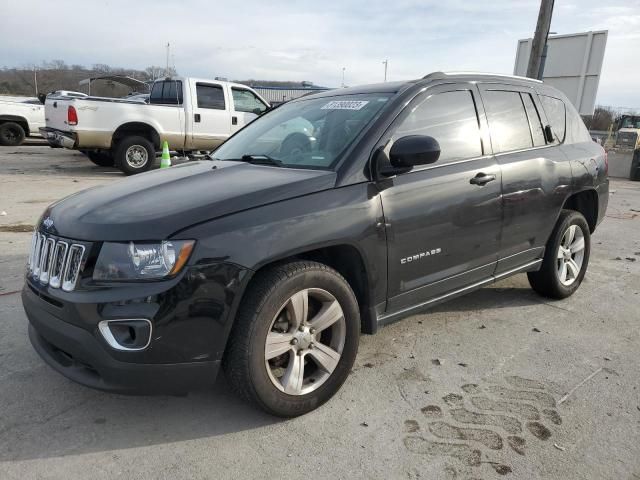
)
(261, 160)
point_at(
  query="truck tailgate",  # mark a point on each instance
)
(55, 113)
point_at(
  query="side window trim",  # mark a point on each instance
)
(529, 119)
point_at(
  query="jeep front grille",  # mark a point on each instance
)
(54, 262)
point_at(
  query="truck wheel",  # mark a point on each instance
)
(102, 159)
(565, 258)
(135, 155)
(295, 338)
(11, 134)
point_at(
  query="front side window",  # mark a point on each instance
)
(310, 133)
(246, 101)
(556, 114)
(210, 96)
(450, 118)
(508, 121)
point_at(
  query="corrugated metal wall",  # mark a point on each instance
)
(284, 94)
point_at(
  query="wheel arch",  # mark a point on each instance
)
(22, 121)
(586, 203)
(136, 128)
(348, 261)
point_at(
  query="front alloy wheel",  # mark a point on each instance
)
(305, 342)
(294, 339)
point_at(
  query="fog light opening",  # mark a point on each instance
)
(126, 334)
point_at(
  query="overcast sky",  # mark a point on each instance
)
(304, 40)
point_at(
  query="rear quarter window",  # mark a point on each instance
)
(557, 116)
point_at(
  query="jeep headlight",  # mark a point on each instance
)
(142, 260)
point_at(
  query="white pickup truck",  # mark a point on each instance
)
(190, 114)
(19, 119)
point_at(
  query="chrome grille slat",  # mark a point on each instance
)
(56, 263)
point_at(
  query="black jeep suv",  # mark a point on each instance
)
(327, 217)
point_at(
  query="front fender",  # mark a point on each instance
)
(257, 237)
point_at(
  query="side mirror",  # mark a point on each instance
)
(548, 134)
(258, 111)
(414, 150)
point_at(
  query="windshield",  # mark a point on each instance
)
(305, 134)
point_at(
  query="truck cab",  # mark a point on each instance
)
(190, 114)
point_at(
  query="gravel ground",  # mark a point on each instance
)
(498, 384)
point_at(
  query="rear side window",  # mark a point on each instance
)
(556, 114)
(508, 122)
(451, 119)
(537, 132)
(210, 96)
(168, 92)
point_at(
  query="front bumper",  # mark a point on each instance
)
(57, 138)
(191, 322)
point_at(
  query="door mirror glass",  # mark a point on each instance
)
(414, 150)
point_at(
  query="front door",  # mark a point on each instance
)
(246, 108)
(211, 121)
(443, 220)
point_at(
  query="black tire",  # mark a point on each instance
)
(11, 134)
(546, 281)
(128, 167)
(101, 158)
(244, 360)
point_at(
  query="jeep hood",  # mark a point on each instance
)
(155, 205)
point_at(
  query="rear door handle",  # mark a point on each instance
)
(482, 179)
(196, 117)
(234, 120)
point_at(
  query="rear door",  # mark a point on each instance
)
(444, 219)
(247, 106)
(535, 173)
(210, 115)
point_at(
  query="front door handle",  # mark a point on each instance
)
(482, 179)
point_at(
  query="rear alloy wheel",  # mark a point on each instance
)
(295, 338)
(11, 134)
(565, 258)
(135, 155)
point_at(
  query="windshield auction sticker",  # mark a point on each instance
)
(345, 105)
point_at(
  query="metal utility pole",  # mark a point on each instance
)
(35, 78)
(540, 38)
(343, 69)
(166, 71)
(386, 64)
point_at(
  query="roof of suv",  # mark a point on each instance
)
(395, 87)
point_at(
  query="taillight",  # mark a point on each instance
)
(72, 115)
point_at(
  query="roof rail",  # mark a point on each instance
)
(439, 75)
